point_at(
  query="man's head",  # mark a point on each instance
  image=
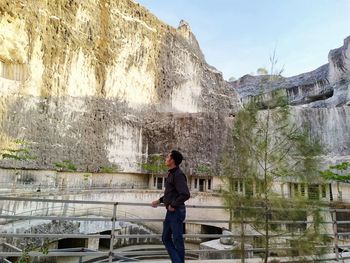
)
(174, 158)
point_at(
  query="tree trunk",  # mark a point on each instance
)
(266, 188)
(266, 235)
(231, 219)
(242, 239)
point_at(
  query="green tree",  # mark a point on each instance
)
(338, 173)
(232, 79)
(266, 146)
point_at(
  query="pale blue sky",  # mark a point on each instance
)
(238, 36)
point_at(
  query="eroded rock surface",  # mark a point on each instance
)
(97, 82)
(326, 86)
(107, 83)
(321, 100)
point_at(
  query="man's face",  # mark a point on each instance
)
(169, 161)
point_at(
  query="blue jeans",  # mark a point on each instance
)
(172, 234)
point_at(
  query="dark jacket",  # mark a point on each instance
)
(176, 189)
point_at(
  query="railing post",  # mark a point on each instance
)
(231, 219)
(114, 219)
(335, 230)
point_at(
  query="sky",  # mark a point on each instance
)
(239, 36)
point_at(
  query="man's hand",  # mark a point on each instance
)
(155, 203)
(171, 209)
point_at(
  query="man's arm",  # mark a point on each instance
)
(155, 203)
(182, 189)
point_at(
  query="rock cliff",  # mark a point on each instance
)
(104, 83)
(320, 99)
(326, 86)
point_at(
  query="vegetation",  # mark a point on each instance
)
(18, 150)
(86, 177)
(66, 165)
(25, 257)
(275, 72)
(154, 165)
(265, 147)
(339, 172)
(262, 71)
(203, 169)
(110, 169)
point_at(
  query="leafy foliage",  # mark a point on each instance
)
(66, 165)
(25, 257)
(110, 169)
(203, 169)
(155, 164)
(266, 146)
(339, 172)
(18, 151)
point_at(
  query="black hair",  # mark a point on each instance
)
(176, 156)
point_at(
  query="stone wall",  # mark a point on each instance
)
(49, 182)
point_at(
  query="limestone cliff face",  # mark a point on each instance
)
(94, 82)
(320, 99)
(326, 86)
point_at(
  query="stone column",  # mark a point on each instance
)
(93, 243)
(150, 182)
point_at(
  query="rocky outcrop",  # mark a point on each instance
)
(53, 227)
(321, 100)
(201, 134)
(326, 86)
(87, 81)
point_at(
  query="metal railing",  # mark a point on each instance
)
(114, 215)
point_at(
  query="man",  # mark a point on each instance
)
(175, 194)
